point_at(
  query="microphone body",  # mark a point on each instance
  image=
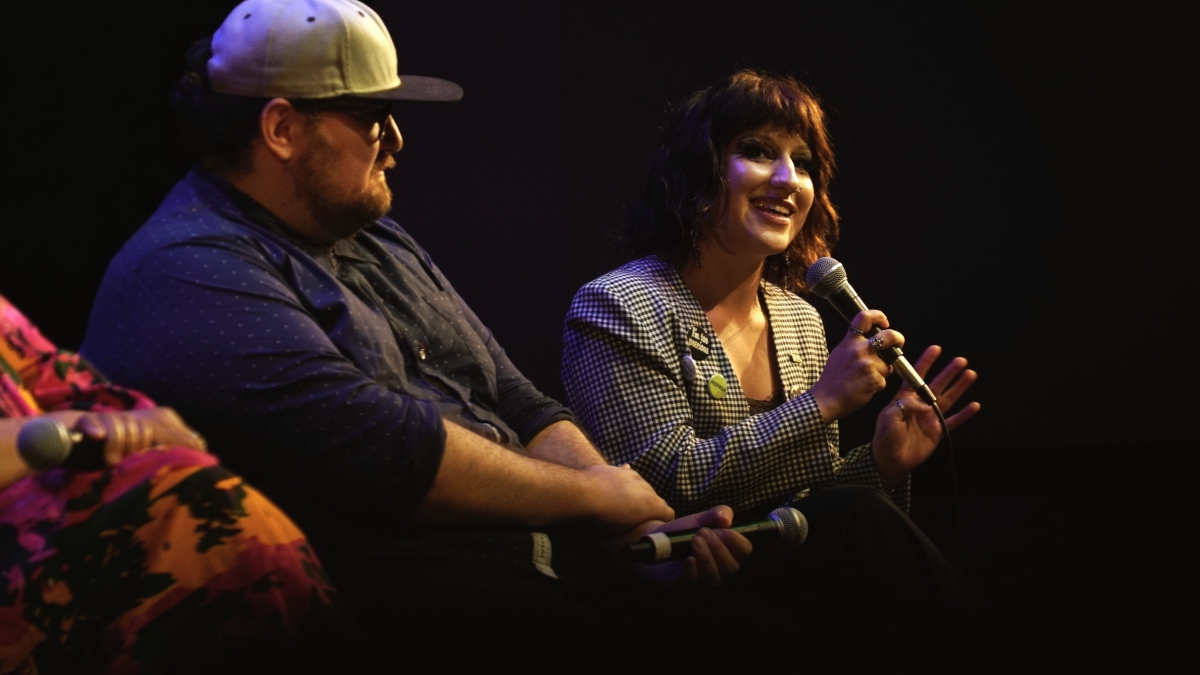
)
(44, 443)
(827, 278)
(785, 526)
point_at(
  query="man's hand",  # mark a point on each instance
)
(563, 443)
(622, 499)
(717, 553)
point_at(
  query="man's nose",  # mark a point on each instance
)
(392, 141)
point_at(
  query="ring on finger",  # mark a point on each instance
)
(903, 410)
(877, 342)
(857, 332)
(119, 430)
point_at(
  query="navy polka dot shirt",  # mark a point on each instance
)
(321, 374)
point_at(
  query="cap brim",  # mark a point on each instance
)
(420, 88)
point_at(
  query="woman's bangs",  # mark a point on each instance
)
(773, 105)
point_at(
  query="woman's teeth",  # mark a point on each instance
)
(772, 208)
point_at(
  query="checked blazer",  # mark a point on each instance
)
(627, 379)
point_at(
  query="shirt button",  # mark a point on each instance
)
(421, 351)
(494, 431)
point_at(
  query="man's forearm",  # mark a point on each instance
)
(481, 483)
(564, 443)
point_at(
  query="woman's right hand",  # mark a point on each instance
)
(855, 372)
(129, 432)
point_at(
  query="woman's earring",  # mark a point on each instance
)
(695, 247)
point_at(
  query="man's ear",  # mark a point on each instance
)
(282, 128)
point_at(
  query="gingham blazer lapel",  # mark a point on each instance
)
(711, 414)
(799, 365)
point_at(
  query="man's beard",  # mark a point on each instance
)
(339, 218)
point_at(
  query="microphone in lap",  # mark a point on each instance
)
(785, 526)
(827, 279)
(44, 443)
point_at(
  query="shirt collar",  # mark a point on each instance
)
(346, 249)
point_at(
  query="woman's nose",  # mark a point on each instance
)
(784, 175)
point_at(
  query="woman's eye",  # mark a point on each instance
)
(802, 163)
(753, 151)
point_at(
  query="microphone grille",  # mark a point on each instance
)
(793, 527)
(825, 276)
(44, 443)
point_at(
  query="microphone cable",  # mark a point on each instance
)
(958, 535)
(826, 278)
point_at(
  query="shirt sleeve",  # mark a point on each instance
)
(620, 375)
(218, 331)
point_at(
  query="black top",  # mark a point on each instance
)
(760, 406)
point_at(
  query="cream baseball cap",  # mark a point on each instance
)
(313, 49)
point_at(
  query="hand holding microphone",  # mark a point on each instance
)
(907, 431)
(711, 554)
(88, 441)
(785, 528)
(827, 279)
(854, 371)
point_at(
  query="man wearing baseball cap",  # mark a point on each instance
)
(326, 357)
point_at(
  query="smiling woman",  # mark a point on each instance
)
(698, 364)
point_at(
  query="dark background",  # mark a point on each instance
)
(1015, 183)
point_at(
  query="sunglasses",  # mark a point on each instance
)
(375, 116)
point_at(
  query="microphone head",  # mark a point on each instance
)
(825, 276)
(793, 527)
(44, 443)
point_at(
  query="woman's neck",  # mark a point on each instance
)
(725, 285)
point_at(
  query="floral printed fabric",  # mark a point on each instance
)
(37, 377)
(164, 563)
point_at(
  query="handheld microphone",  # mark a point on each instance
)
(44, 443)
(786, 526)
(827, 278)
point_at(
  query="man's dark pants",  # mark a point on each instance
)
(867, 586)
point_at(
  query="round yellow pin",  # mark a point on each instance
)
(717, 386)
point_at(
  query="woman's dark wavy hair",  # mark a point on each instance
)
(215, 129)
(683, 197)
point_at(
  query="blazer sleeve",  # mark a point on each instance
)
(623, 379)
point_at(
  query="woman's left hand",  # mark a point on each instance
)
(907, 430)
(717, 552)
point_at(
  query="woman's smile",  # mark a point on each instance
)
(773, 209)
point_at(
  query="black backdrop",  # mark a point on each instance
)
(1013, 179)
